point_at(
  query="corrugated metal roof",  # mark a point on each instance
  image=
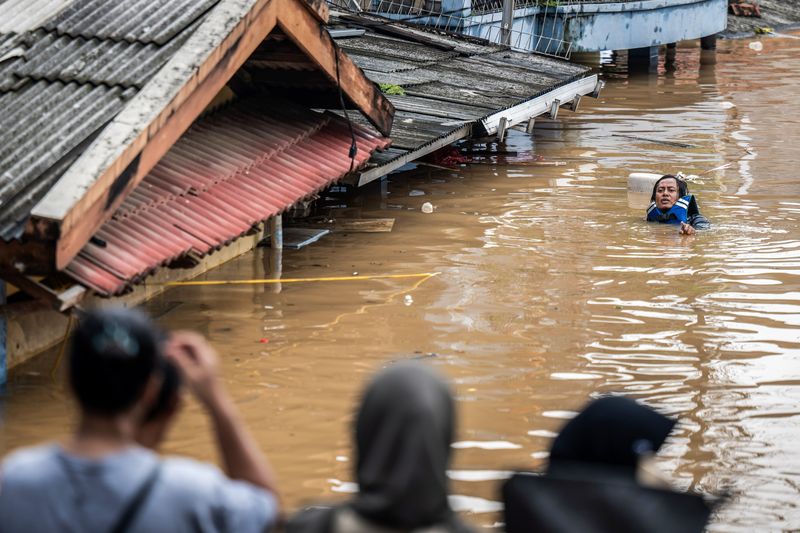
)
(96, 61)
(57, 90)
(228, 172)
(448, 81)
(145, 21)
(32, 141)
(20, 16)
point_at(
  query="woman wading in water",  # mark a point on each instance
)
(671, 203)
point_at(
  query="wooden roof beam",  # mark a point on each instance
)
(319, 46)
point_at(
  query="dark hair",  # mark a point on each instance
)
(170, 385)
(683, 187)
(113, 354)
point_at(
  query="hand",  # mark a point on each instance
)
(686, 229)
(197, 362)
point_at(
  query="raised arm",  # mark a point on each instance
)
(198, 362)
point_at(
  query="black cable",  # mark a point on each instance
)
(353, 146)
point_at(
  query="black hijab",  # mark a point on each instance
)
(403, 433)
(591, 486)
(611, 431)
(404, 429)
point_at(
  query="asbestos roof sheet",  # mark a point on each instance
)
(20, 16)
(144, 21)
(33, 141)
(66, 69)
(448, 81)
(230, 171)
(95, 61)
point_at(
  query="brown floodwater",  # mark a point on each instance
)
(551, 290)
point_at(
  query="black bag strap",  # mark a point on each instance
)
(136, 503)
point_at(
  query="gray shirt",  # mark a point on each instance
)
(45, 489)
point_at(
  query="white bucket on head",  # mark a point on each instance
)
(640, 187)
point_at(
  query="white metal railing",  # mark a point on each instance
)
(537, 30)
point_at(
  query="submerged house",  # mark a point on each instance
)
(450, 87)
(146, 141)
(143, 133)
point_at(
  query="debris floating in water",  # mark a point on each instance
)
(427, 208)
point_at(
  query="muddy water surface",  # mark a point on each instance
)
(551, 290)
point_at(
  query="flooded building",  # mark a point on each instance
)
(448, 88)
(147, 142)
(96, 193)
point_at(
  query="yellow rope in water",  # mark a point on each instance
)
(425, 275)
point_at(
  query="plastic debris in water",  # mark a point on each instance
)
(408, 300)
(427, 208)
(756, 45)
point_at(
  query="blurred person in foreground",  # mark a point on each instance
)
(100, 479)
(671, 203)
(403, 432)
(602, 478)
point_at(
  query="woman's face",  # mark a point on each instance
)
(667, 193)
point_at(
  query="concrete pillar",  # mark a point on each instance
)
(708, 50)
(643, 59)
(3, 339)
(501, 129)
(709, 42)
(531, 125)
(276, 250)
(507, 23)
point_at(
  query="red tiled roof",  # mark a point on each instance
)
(228, 172)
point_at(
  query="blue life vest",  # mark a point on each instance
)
(680, 212)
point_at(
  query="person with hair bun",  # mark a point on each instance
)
(671, 203)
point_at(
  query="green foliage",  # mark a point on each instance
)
(390, 88)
